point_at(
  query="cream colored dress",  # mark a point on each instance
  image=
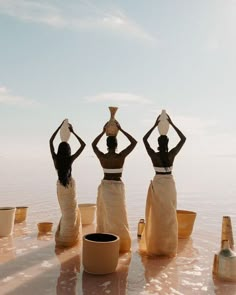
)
(111, 212)
(160, 235)
(68, 229)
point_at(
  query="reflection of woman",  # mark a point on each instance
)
(112, 283)
(111, 208)
(160, 235)
(70, 267)
(67, 233)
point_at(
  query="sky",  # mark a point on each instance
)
(72, 59)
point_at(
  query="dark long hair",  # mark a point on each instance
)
(63, 163)
(163, 149)
(111, 142)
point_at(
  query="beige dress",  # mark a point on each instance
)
(67, 233)
(111, 212)
(160, 235)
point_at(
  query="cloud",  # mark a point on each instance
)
(82, 15)
(119, 97)
(9, 99)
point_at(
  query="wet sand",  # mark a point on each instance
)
(30, 264)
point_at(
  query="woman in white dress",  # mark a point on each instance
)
(160, 236)
(67, 233)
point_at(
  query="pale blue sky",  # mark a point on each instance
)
(72, 59)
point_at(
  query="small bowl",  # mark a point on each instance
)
(87, 212)
(21, 214)
(44, 227)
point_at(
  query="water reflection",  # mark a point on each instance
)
(45, 236)
(21, 229)
(114, 283)
(70, 267)
(224, 287)
(7, 249)
(160, 274)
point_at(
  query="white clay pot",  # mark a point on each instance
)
(65, 131)
(164, 124)
(7, 217)
(87, 213)
(100, 253)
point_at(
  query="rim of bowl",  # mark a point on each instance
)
(87, 205)
(185, 211)
(85, 237)
(7, 208)
(45, 223)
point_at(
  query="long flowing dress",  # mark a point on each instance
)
(160, 235)
(67, 233)
(112, 213)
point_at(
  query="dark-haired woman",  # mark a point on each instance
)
(111, 204)
(67, 233)
(160, 236)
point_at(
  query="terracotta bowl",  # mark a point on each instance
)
(100, 253)
(21, 214)
(44, 227)
(87, 213)
(186, 221)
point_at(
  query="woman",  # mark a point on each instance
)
(160, 236)
(111, 207)
(67, 233)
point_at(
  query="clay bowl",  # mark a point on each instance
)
(45, 227)
(186, 221)
(21, 214)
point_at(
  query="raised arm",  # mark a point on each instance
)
(132, 144)
(146, 136)
(52, 139)
(82, 144)
(95, 142)
(178, 147)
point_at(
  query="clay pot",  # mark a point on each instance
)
(111, 127)
(65, 131)
(87, 213)
(7, 217)
(100, 253)
(21, 214)
(186, 221)
(164, 124)
(227, 231)
(44, 227)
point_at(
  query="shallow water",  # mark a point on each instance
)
(29, 263)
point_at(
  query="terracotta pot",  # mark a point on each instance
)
(111, 127)
(100, 253)
(87, 213)
(7, 217)
(186, 221)
(44, 227)
(227, 231)
(21, 214)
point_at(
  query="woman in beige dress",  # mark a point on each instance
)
(160, 236)
(67, 233)
(111, 204)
